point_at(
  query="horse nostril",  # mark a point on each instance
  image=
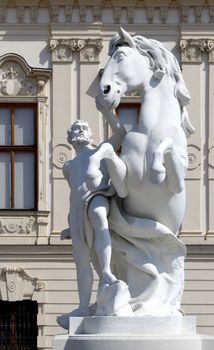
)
(106, 90)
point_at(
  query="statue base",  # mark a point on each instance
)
(149, 333)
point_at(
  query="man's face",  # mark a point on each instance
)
(80, 133)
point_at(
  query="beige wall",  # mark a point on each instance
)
(55, 41)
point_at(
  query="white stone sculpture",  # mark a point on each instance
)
(88, 226)
(148, 176)
(147, 210)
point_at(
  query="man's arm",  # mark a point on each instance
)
(65, 171)
(116, 125)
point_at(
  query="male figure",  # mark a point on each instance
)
(75, 172)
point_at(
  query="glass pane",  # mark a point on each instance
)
(4, 180)
(24, 126)
(4, 126)
(129, 117)
(24, 181)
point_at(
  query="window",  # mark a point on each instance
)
(18, 325)
(128, 113)
(18, 156)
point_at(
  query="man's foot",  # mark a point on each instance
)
(108, 278)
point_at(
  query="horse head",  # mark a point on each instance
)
(137, 63)
(121, 73)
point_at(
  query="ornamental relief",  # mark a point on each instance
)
(17, 284)
(17, 78)
(14, 226)
(192, 49)
(13, 81)
(62, 49)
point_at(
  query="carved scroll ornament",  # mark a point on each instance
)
(192, 49)
(62, 49)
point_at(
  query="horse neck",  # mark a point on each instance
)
(160, 108)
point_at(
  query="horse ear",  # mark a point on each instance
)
(126, 37)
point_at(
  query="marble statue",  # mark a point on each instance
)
(144, 215)
(88, 224)
(148, 175)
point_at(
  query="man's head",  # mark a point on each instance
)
(79, 133)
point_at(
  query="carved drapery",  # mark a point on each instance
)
(192, 49)
(62, 49)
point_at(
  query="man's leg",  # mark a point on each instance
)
(84, 276)
(98, 211)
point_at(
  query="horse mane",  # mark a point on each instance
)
(162, 62)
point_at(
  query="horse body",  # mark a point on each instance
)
(153, 191)
(149, 173)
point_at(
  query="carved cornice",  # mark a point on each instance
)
(62, 10)
(62, 49)
(192, 49)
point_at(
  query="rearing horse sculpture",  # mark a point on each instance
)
(149, 173)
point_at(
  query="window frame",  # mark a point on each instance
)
(11, 149)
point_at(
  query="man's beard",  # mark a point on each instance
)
(80, 139)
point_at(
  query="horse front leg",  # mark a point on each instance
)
(170, 162)
(116, 167)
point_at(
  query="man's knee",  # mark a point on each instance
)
(98, 217)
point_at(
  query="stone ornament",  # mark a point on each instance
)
(62, 49)
(148, 176)
(192, 49)
(17, 226)
(17, 284)
(138, 229)
(61, 154)
(17, 78)
(90, 49)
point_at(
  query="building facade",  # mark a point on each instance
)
(51, 56)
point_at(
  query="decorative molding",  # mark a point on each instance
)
(17, 284)
(194, 159)
(117, 13)
(61, 154)
(54, 13)
(34, 14)
(210, 49)
(150, 11)
(89, 49)
(163, 13)
(17, 78)
(211, 12)
(211, 159)
(198, 13)
(68, 13)
(130, 14)
(97, 14)
(3, 14)
(62, 49)
(184, 14)
(192, 49)
(20, 13)
(15, 226)
(83, 9)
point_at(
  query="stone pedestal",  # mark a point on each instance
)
(131, 333)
